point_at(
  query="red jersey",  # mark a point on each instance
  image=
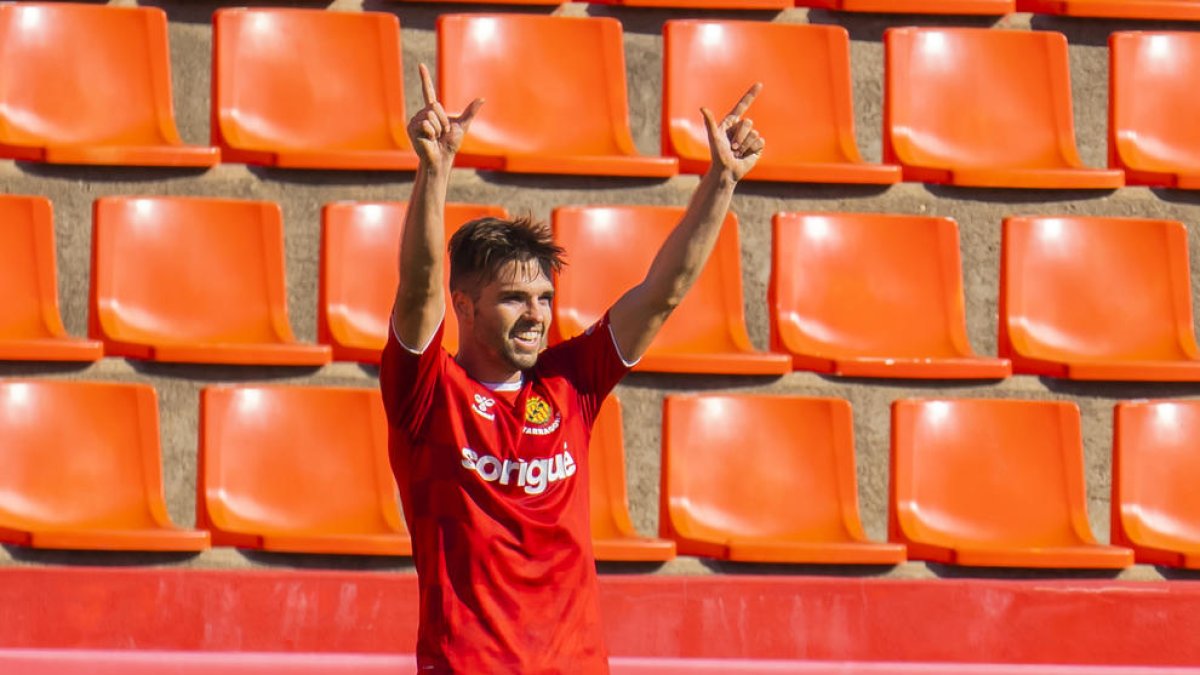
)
(495, 492)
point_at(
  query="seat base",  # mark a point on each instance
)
(753, 363)
(612, 165)
(1115, 9)
(857, 173)
(933, 368)
(183, 156)
(352, 544)
(1082, 556)
(51, 349)
(1187, 178)
(820, 553)
(702, 4)
(1113, 370)
(160, 539)
(1050, 179)
(633, 549)
(343, 160)
(283, 354)
(961, 7)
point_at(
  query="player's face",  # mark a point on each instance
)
(508, 322)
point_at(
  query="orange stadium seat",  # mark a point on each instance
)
(845, 288)
(1156, 467)
(609, 250)
(300, 469)
(89, 84)
(555, 92)
(193, 280)
(984, 7)
(360, 246)
(942, 126)
(1153, 107)
(613, 534)
(82, 469)
(993, 483)
(31, 328)
(763, 479)
(309, 89)
(1097, 299)
(804, 110)
(1170, 10)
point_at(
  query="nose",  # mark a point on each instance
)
(537, 310)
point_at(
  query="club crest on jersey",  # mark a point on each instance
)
(538, 416)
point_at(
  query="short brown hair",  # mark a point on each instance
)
(481, 247)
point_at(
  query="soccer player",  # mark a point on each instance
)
(490, 446)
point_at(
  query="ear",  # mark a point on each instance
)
(463, 306)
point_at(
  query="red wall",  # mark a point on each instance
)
(719, 616)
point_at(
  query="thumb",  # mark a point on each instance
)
(464, 120)
(714, 132)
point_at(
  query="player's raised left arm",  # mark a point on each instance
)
(735, 146)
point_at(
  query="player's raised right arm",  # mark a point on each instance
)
(436, 137)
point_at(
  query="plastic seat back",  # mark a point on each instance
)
(555, 86)
(613, 534)
(610, 249)
(359, 249)
(735, 466)
(187, 270)
(305, 81)
(850, 285)
(804, 110)
(294, 462)
(29, 308)
(86, 75)
(1153, 106)
(1156, 466)
(988, 474)
(1079, 289)
(971, 105)
(82, 462)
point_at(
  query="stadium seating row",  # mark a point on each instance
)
(201, 280)
(283, 80)
(1176, 10)
(996, 483)
(1172, 10)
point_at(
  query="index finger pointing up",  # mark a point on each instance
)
(744, 103)
(427, 85)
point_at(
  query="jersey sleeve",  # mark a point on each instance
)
(408, 381)
(592, 362)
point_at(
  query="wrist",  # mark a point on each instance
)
(437, 170)
(722, 177)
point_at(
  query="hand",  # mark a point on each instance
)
(733, 142)
(435, 135)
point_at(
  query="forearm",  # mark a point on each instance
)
(687, 248)
(419, 296)
(639, 314)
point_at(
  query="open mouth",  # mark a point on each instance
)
(529, 339)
